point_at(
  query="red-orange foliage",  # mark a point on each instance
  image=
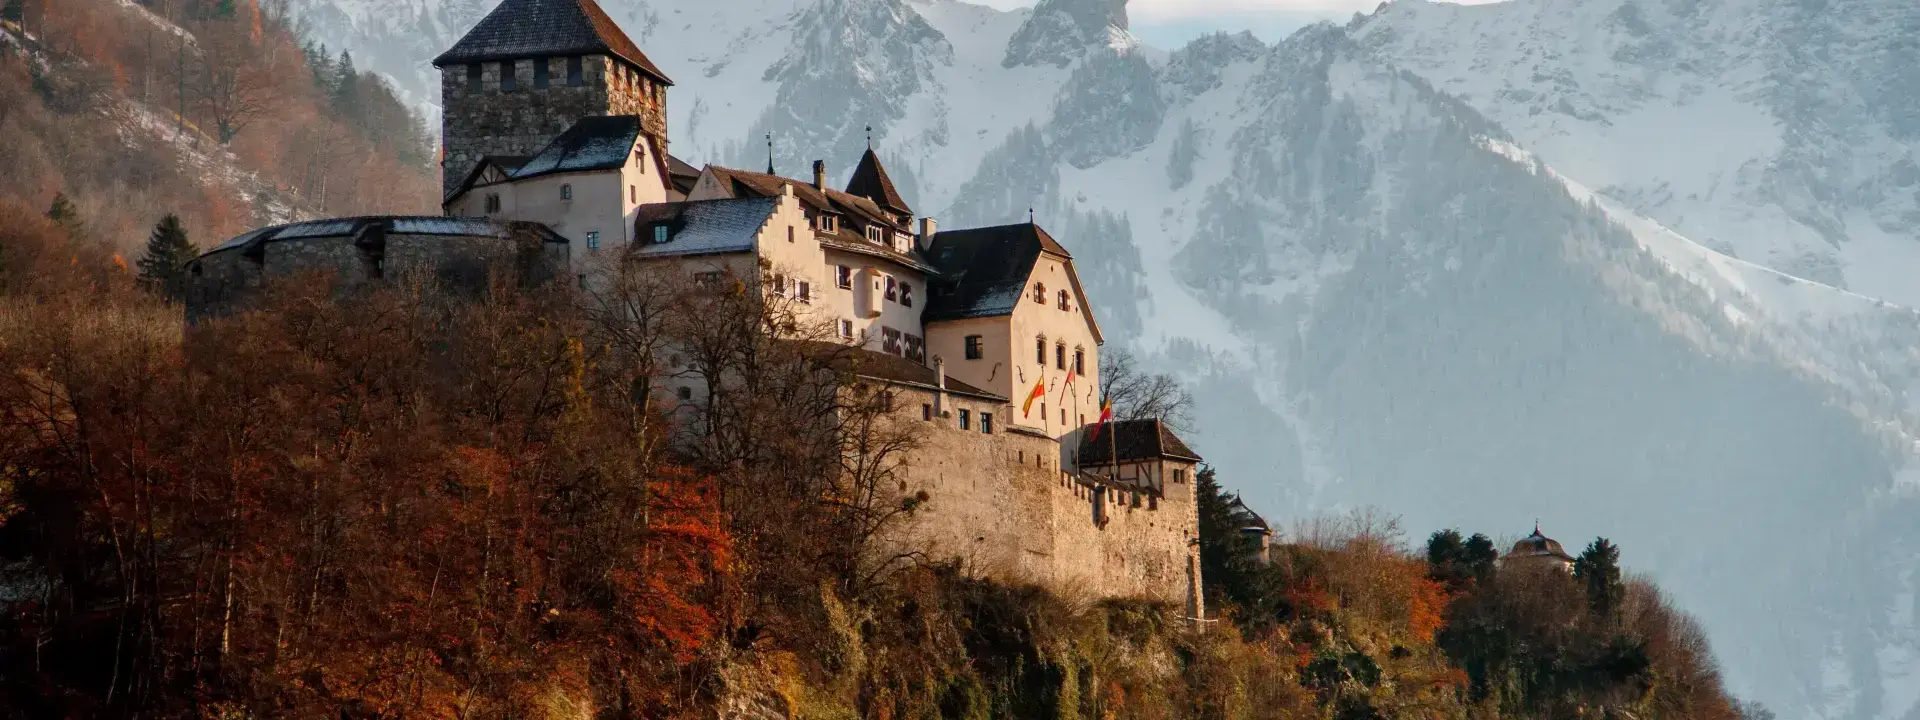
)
(295, 512)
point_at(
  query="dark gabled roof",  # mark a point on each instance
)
(682, 175)
(508, 164)
(896, 369)
(702, 227)
(1133, 440)
(984, 271)
(870, 181)
(593, 143)
(347, 227)
(547, 28)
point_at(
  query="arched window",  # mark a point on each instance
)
(1063, 299)
(1040, 293)
(566, 192)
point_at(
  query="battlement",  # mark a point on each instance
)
(1008, 505)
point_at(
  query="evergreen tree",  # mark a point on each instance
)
(1229, 572)
(162, 269)
(14, 11)
(321, 64)
(1479, 557)
(64, 214)
(346, 88)
(1598, 568)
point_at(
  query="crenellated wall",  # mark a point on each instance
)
(1002, 505)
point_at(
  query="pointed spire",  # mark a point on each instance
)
(770, 155)
(1030, 216)
(869, 137)
(870, 181)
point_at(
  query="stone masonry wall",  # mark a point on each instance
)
(1001, 504)
(221, 282)
(489, 121)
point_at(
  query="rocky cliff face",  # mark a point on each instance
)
(1621, 265)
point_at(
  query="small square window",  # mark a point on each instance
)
(965, 419)
(875, 235)
(508, 81)
(686, 393)
(893, 289)
(593, 240)
(779, 284)
(926, 412)
(846, 329)
(659, 234)
(986, 423)
(829, 223)
(843, 276)
(475, 74)
(974, 351)
(542, 73)
(576, 72)
(566, 192)
(806, 292)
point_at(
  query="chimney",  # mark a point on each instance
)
(820, 175)
(940, 398)
(927, 230)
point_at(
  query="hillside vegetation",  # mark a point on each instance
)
(208, 109)
(386, 504)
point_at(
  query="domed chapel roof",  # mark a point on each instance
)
(1536, 545)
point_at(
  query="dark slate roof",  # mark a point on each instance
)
(508, 164)
(983, 271)
(547, 28)
(593, 143)
(681, 174)
(1134, 440)
(703, 227)
(1248, 519)
(893, 368)
(870, 181)
(393, 224)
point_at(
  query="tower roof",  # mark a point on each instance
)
(547, 28)
(1538, 545)
(870, 181)
(984, 271)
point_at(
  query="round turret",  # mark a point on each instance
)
(1539, 549)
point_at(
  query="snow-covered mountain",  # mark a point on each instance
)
(1621, 265)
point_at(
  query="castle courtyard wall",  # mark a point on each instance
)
(1003, 506)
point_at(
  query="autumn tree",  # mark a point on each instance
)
(1139, 395)
(236, 80)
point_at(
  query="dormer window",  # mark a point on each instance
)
(566, 192)
(829, 223)
(659, 234)
(1040, 295)
(875, 235)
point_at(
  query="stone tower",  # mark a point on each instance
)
(529, 70)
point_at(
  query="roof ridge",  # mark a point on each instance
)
(517, 29)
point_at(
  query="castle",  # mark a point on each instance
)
(555, 137)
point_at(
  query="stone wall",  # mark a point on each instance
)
(489, 121)
(220, 282)
(1004, 507)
